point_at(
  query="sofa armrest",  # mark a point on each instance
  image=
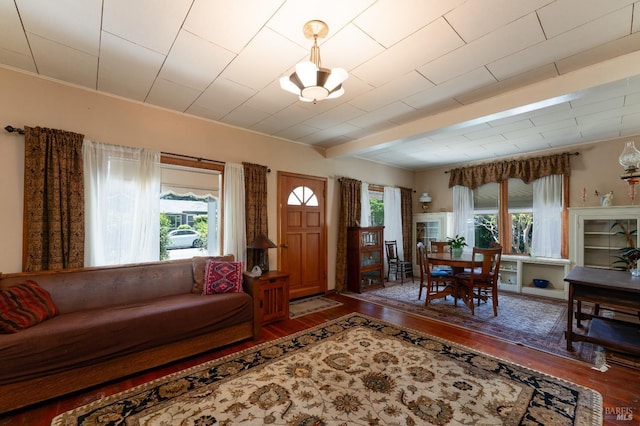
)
(252, 287)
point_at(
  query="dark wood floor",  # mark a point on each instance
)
(619, 386)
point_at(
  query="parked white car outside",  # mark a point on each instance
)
(183, 238)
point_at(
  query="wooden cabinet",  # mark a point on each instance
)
(273, 295)
(597, 235)
(365, 267)
(429, 227)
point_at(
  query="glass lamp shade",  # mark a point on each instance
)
(630, 157)
(312, 84)
(425, 198)
(307, 72)
(336, 77)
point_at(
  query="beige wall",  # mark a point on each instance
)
(595, 169)
(33, 101)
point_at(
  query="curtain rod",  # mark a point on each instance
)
(191, 157)
(377, 184)
(199, 159)
(12, 129)
(569, 153)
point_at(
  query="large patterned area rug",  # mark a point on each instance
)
(354, 370)
(536, 322)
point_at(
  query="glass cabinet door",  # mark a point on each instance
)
(368, 258)
(371, 279)
(370, 238)
(428, 231)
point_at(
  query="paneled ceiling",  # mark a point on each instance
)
(432, 82)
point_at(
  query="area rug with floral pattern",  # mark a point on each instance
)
(354, 370)
(532, 321)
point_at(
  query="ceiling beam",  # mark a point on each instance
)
(534, 96)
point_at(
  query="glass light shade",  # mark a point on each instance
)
(289, 86)
(310, 81)
(630, 157)
(336, 93)
(425, 198)
(315, 93)
(307, 73)
(337, 76)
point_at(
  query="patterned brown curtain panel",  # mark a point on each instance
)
(53, 200)
(406, 208)
(528, 170)
(350, 210)
(255, 187)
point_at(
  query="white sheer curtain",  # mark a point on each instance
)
(365, 212)
(547, 216)
(463, 207)
(235, 230)
(122, 204)
(392, 221)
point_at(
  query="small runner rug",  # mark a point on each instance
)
(535, 322)
(352, 370)
(298, 308)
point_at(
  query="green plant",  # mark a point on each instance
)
(457, 242)
(629, 255)
(202, 226)
(165, 224)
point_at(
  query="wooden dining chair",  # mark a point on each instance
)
(481, 282)
(430, 278)
(441, 247)
(395, 265)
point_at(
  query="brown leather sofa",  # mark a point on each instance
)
(115, 321)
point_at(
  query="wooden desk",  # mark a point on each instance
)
(457, 265)
(608, 288)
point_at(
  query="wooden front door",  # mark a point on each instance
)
(302, 233)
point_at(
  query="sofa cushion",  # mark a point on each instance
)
(198, 264)
(222, 277)
(85, 337)
(24, 305)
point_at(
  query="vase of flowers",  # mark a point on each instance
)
(457, 244)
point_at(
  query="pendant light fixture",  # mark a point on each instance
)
(310, 81)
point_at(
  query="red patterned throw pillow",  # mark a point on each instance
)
(222, 277)
(24, 305)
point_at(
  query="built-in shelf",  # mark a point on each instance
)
(518, 272)
(597, 235)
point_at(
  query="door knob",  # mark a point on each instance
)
(284, 245)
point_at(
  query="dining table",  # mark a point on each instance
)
(458, 265)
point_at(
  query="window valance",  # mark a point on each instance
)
(528, 170)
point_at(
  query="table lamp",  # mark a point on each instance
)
(262, 243)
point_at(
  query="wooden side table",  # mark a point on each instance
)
(273, 295)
